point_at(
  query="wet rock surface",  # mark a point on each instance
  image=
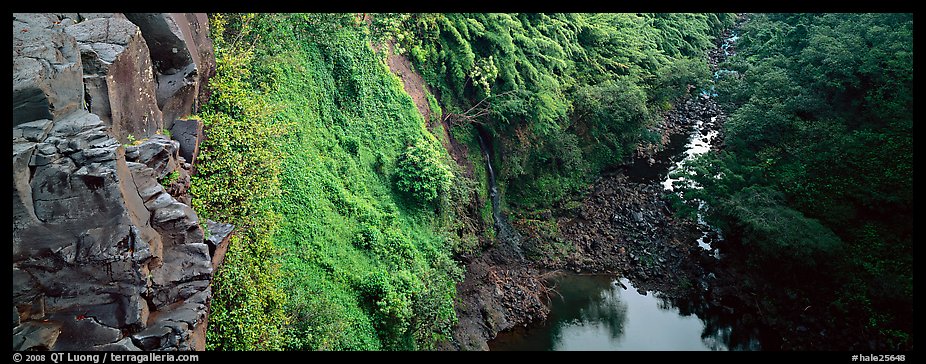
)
(496, 295)
(89, 251)
(627, 228)
(104, 256)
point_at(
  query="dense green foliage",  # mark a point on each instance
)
(315, 149)
(565, 94)
(237, 177)
(349, 212)
(816, 181)
(421, 173)
(320, 158)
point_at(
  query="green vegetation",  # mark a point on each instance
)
(421, 173)
(565, 94)
(436, 110)
(170, 178)
(816, 181)
(349, 213)
(317, 152)
(237, 178)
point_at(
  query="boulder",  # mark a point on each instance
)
(152, 338)
(157, 152)
(189, 132)
(169, 168)
(82, 332)
(218, 240)
(178, 328)
(125, 344)
(36, 336)
(118, 76)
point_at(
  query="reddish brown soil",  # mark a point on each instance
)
(411, 80)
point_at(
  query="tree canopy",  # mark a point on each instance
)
(816, 179)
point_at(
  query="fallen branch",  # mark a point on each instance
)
(474, 113)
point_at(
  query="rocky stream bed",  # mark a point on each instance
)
(624, 226)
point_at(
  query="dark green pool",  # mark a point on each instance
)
(596, 313)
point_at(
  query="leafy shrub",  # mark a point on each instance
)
(673, 78)
(389, 297)
(368, 237)
(781, 235)
(421, 174)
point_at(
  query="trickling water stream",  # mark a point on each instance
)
(604, 313)
(702, 137)
(505, 233)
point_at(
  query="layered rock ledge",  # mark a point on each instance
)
(107, 253)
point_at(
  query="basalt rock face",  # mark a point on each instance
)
(107, 253)
(47, 76)
(118, 77)
(183, 52)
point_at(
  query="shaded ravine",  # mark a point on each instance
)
(705, 136)
(506, 233)
(501, 289)
(625, 227)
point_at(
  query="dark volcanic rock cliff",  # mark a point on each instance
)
(104, 256)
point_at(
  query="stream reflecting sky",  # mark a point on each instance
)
(596, 313)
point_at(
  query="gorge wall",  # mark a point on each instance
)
(107, 253)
